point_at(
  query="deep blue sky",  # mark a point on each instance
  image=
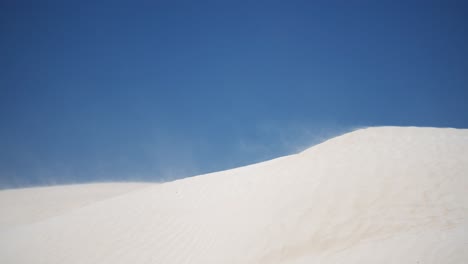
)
(158, 90)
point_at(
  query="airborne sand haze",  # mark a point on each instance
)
(376, 195)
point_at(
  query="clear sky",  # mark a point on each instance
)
(159, 90)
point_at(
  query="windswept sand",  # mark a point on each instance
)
(26, 206)
(376, 195)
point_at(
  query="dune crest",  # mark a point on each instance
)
(375, 195)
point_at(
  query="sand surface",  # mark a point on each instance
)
(376, 195)
(26, 206)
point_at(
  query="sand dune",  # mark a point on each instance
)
(376, 195)
(25, 206)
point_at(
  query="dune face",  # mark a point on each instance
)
(23, 206)
(376, 195)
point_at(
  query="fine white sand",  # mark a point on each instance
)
(376, 195)
(25, 206)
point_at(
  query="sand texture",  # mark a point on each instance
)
(375, 195)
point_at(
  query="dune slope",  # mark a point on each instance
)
(376, 195)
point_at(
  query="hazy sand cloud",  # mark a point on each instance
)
(284, 138)
(165, 156)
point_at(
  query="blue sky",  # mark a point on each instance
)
(159, 90)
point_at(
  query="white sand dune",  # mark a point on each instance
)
(25, 206)
(376, 195)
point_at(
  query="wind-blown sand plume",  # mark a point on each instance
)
(377, 195)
